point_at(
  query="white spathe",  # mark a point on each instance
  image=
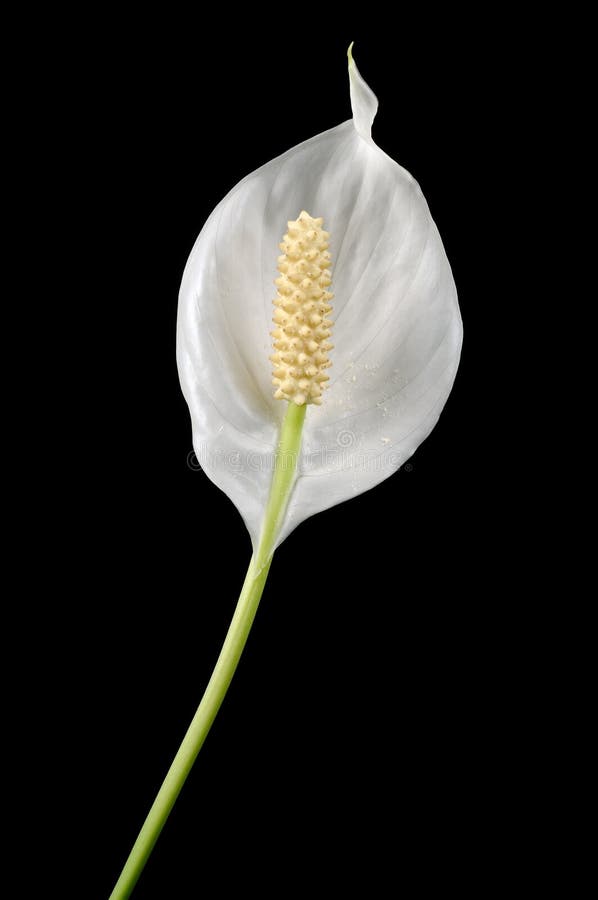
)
(397, 327)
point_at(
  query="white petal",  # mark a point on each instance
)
(397, 325)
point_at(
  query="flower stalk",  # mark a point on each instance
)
(285, 470)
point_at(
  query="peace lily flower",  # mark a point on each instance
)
(284, 421)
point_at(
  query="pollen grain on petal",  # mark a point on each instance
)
(302, 313)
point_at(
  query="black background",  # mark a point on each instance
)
(366, 734)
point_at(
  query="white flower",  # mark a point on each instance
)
(397, 327)
(392, 312)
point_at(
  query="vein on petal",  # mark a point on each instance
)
(372, 254)
(339, 249)
(201, 386)
(222, 308)
(381, 281)
(266, 302)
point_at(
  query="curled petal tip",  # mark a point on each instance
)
(350, 54)
(364, 103)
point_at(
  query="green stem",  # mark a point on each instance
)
(282, 482)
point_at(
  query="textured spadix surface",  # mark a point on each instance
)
(302, 304)
(397, 328)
